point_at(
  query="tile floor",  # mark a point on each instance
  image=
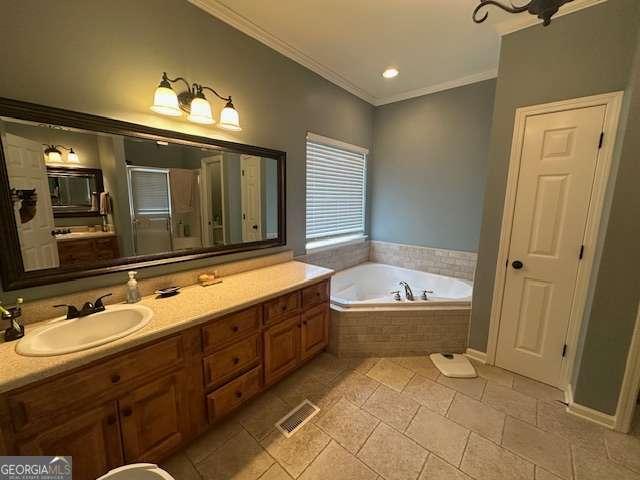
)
(398, 419)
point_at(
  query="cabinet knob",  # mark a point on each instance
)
(235, 328)
(304, 322)
(283, 308)
(111, 420)
(126, 411)
(238, 394)
(115, 378)
(236, 360)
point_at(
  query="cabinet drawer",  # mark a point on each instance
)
(281, 307)
(315, 294)
(227, 363)
(48, 400)
(234, 394)
(229, 328)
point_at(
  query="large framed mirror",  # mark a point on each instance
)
(84, 195)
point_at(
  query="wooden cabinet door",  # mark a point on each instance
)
(281, 349)
(152, 419)
(315, 330)
(92, 439)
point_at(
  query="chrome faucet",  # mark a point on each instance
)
(407, 291)
(87, 309)
(15, 331)
(425, 295)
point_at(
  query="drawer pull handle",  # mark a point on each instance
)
(127, 411)
(235, 328)
(111, 420)
(115, 378)
(238, 394)
(236, 360)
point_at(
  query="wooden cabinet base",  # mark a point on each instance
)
(144, 404)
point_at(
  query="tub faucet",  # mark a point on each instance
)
(425, 295)
(407, 291)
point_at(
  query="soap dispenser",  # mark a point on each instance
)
(133, 293)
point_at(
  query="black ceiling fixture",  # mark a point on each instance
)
(543, 9)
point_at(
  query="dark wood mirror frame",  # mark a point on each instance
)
(12, 270)
(93, 172)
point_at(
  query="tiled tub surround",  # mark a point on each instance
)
(366, 320)
(398, 332)
(452, 263)
(339, 257)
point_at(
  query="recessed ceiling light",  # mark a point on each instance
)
(390, 72)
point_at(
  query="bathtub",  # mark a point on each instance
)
(367, 321)
(369, 285)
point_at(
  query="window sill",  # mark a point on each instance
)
(327, 244)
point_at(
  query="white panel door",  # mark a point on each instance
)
(558, 162)
(27, 170)
(251, 198)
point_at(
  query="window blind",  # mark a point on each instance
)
(336, 190)
(149, 191)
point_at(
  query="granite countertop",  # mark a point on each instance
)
(194, 305)
(65, 237)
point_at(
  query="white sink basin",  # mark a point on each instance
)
(66, 336)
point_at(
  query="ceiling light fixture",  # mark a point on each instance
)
(194, 103)
(390, 72)
(543, 9)
(53, 154)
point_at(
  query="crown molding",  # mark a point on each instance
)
(246, 26)
(458, 82)
(522, 21)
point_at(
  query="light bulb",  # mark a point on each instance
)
(52, 155)
(390, 72)
(229, 118)
(73, 157)
(165, 101)
(200, 110)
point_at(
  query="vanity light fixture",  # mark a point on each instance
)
(390, 72)
(543, 9)
(194, 103)
(53, 154)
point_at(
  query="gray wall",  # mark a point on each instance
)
(428, 172)
(585, 53)
(106, 58)
(617, 293)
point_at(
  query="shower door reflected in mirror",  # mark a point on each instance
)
(129, 198)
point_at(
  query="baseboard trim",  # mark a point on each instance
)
(476, 355)
(602, 419)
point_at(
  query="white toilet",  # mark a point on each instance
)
(137, 471)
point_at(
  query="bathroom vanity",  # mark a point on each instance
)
(205, 353)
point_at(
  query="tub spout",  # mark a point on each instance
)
(408, 293)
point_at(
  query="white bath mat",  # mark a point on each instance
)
(297, 418)
(453, 365)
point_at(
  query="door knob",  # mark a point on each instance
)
(255, 227)
(517, 264)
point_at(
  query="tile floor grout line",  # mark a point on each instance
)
(367, 439)
(412, 419)
(464, 450)
(314, 458)
(219, 447)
